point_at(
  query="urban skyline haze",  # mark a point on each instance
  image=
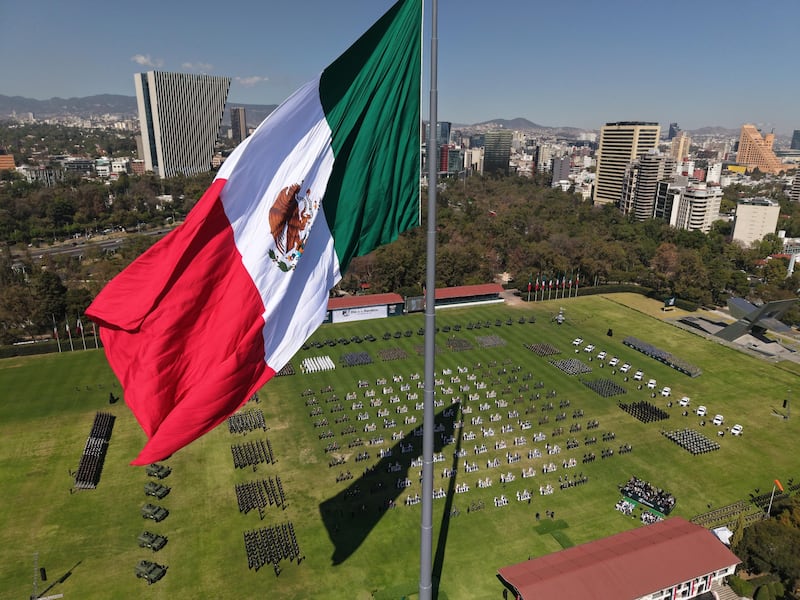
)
(582, 64)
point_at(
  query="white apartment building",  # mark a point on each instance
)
(755, 218)
(696, 207)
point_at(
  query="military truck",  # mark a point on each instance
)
(152, 511)
(154, 541)
(158, 471)
(150, 571)
(151, 488)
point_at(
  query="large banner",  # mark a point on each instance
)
(346, 315)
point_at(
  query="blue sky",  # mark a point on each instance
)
(579, 63)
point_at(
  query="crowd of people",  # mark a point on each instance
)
(93, 457)
(645, 493)
(257, 495)
(356, 359)
(645, 411)
(252, 454)
(691, 440)
(271, 545)
(572, 366)
(604, 387)
(247, 421)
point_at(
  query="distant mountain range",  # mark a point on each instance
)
(79, 107)
(125, 107)
(522, 124)
(103, 104)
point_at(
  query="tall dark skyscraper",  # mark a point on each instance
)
(497, 151)
(674, 129)
(238, 124)
(796, 140)
(179, 117)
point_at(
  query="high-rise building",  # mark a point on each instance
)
(673, 131)
(666, 193)
(561, 168)
(714, 173)
(696, 208)
(543, 156)
(179, 116)
(796, 140)
(640, 183)
(455, 159)
(755, 218)
(451, 159)
(473, 160)
(755, 152)
(620, 143)
(442, 132)
(794, 194)
(238, 124)
(680, 146)
(497, 151)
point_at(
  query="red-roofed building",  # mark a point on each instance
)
(468, 293)
(667, 560)
(360, 308)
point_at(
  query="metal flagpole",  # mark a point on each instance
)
(55, 331)
(769, 508)
(426, 527)
(83, 337)
(69, 333)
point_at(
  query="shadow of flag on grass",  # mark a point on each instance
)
(350, 515)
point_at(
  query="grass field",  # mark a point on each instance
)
(88, 538)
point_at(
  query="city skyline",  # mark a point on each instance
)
(582, 66)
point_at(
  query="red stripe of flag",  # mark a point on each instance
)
(164, 334)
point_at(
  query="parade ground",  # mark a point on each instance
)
(312, 490)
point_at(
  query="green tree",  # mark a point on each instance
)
(764, 593)
(49, 299)
(738, 531)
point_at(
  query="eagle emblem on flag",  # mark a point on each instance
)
(290, 220)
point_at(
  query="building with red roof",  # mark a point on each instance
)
(360, 308)
(664, 561)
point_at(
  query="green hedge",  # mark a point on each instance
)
(740, 586)
(43, 348)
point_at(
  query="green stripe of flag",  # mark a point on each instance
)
(371, 99)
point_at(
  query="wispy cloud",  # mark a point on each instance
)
(250, 81)
(146, 60)
(200, 67)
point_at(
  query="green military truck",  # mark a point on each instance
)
(154, 541)
(158, 471)
(150, 571)
(151, 488)
(152, 511)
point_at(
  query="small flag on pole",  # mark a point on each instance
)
(69, 335)
(55, 332)
(778, 485)
(79, 329)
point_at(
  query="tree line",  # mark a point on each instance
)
(486, 226)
